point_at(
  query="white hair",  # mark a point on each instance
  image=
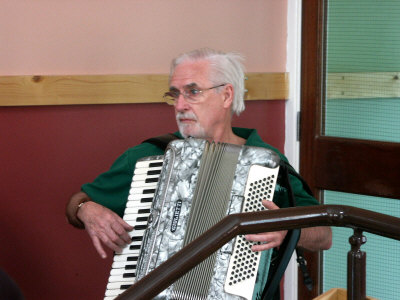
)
(224, 68)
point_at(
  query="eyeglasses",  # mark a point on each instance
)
(192, 94)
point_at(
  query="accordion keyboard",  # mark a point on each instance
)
(137, 211)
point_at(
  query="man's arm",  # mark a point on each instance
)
(103, 225)
(316, 238)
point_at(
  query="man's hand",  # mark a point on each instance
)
(312, 239)
(269, 239)
(104, 227)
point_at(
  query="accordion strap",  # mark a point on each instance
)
(287, 247)
(161, 141)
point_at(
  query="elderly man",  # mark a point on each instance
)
(206, 89)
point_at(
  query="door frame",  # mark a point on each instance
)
(330, 163)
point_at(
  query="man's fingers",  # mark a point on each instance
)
(99, 248)
(258, 237)
(105, 228)
(262, 247)
(112, 238)
(121, 233)
(268, 240)
(113, 242)
(126, 226)
(269, 204)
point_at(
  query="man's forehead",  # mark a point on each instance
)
(190, 74)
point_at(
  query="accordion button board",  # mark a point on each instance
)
(243, 266)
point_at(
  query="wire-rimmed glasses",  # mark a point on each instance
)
(191, 93)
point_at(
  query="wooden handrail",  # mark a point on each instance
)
(256, 222)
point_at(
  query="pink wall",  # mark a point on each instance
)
(134, 36)
(47, 152)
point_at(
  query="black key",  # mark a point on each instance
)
(130, 267)
(128, 275)
(140, 227)
(154, 172)
(132, 258)
(150, 180)
(155, 164)
(137, 238)
(149, 191)
(144, 211)
(133, 247)
(125, 286)
(142, 219)
(146, 200)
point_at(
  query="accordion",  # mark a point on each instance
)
(199, 183)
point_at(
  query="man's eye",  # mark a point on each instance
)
(193, 92)
(174, 94)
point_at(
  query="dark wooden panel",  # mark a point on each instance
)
(311, 90)
(358, 166)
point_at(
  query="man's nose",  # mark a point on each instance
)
(181, 104)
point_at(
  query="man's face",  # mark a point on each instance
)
(206, 117)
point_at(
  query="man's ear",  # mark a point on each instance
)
(228, 94)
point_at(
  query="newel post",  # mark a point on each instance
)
(356, 267)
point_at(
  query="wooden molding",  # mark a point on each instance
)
(363, 85)
(112, 89)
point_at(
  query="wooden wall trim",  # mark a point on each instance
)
(112, 89)
(363, 85)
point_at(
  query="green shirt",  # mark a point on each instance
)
(111, 188)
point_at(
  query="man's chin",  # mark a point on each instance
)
(186, 132)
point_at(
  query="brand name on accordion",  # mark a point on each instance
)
(177, 212)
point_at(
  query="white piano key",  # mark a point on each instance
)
(134, 243)
(140, 171)
(137, 210)
(123, 264)
(142, 193)
(139, 203)
(143, 188)
(124, 257)
(138, 188)
(117, 285)
(134, 223)
(122, 271)
(146, 164)
(142, 201)
(114, 292)
(128, 251)
(145, 177)
(139, 217)
(114, 278)
(143, 184)
(138, 184)
(136, 232)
